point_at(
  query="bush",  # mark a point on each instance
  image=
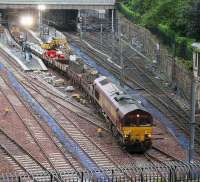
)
(184, 47)
(188, 64)
(133, 16)
(160, 18)
(166, 34)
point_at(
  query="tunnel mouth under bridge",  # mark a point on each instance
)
(63, 20)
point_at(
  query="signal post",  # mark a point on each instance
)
(195, 85)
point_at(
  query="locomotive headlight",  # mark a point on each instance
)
(137, 115)
(149, 135)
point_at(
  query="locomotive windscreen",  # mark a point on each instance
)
(137, 117)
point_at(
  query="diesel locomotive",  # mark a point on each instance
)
(129, 122)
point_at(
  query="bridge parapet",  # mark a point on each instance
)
(59, 4)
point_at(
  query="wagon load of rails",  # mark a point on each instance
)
(77, 65)
(90, 74)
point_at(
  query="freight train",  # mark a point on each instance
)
(128, 120)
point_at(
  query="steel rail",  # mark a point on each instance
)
(68, 108)
(81, 131)
(17, 162)
(49, 137)
(141, 70)
(24, 123)
(70, 136)
(24, 151)
(129, 80)
(166, 154)
(63, 98)
(29, 130)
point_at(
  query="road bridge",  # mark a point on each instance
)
(58, 4)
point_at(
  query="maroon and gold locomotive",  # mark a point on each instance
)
(129, 121)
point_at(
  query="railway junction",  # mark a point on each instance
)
(81, 99)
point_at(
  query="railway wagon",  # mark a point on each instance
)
(56, 55)
(130, 123)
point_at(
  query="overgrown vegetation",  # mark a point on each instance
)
(176, 22)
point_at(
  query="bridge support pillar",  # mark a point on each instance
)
(112, 15)
(112, 20)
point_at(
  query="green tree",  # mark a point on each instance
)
(193, 26)
(171, 20)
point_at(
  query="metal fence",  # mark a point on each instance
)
(170, 172)
(145, 42)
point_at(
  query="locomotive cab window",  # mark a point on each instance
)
(104, 82)
(137, 118)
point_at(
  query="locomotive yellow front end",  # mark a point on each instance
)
(137, 131)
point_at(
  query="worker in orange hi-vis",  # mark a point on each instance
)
(99, 132)
(6, 111)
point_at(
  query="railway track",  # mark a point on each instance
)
(57, 158)
(68, 123)
(17, 69)
(161, 157)
(158, 157)
(69, 105)
(144, 80)
(59, 106)
(91, 149)
(21, 159)
(73, 106)
(37, 80)
(140, 79)
(154, 156)
(134, 60)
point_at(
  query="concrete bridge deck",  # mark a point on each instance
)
(58, 4)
